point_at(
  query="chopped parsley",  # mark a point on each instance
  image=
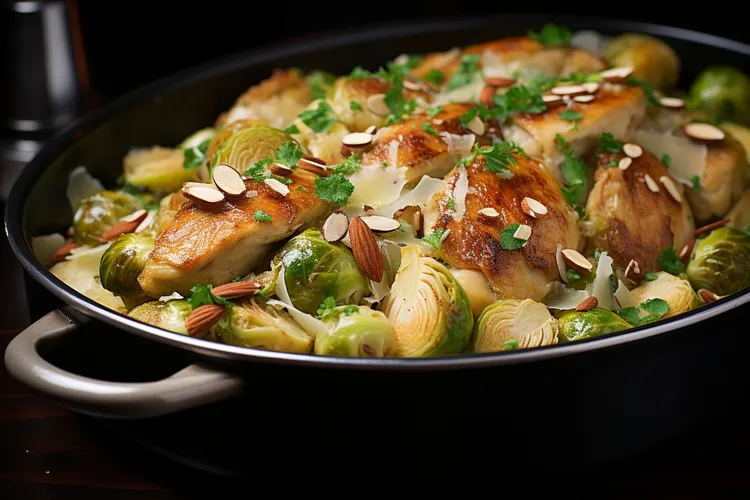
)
(570, 115)
(510, 345)
(613, 163)
(696, 182)
(355, 106)
(319, 119)
(329, 309)
(552, 35)
(261, 216)
(466, 73)
(335, 188)
(360, 73)
(385, 164)
(258, 172)
(433, 239)
(647, 89)
(650, 277)
(432, 112)
(292, 129)
(508, 241)
(398, 105)
(434, 76)
(573, 172)
(289, 154)
(608, 143)
(319, 81)
(498, 157)
(202, 295)
(572, 275)
(350, 165)
(428, 128)
(666, 160)
(670, 262)
(518, 99)
(647, 312)
(195, 156)
(451, 203)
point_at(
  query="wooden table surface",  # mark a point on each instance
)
(48, 452)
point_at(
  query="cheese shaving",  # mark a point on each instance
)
(601, 288)
(46, 245)
(377, 186)
(419, 196)
(81, 184)
(688, 158)
(312, 325)
(459, 192)
(562, 297)
(623, 297)
(393, 153)
(458, 144)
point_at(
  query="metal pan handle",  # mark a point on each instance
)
(192, 386)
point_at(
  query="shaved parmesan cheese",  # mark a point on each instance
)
(312, 325)
(46, 245)
(459, 192)
(87, 253)
(147, 222)
(688, 157)
(173, 296)
(419, 196)
(601, 288)
(379, 290)
(494, 67)
(562, 297)
(393, 153)
(464, 93)
(377, 186)
(81, 185)
(458, 144)
(623, 297)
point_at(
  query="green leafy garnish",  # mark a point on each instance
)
(360, 73)
(350, 165)
(319, 81)
(518, 99)
(608, 143)
(195, 156)
(258, 172)
(466, 73)
(399, 106)
(329, 309)
(433, 239)
(385, 164)
(572, 275)
(335, 188)
(434, 76)
(355, 106)
(573, 172)
(261, 216)
(650, 277)
(508, 241)
(451, 203)
(428, 128)
(570, 115)
(319, 119)
(613, 163)
(510, 345)
(647, 89)
(289, 154)
(432, 112)
(670, 262)
(696, 182)
(292, 129)
(666, 160)
(647, 312)
(552, 35)
(202, 295)
(498, 157)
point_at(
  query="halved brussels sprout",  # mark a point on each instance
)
(249, 145)
(363, 333)
(226, 132)
(428, 308)
(100, 212)
(513, 324)
(170, 315)
(722, 262)
(257, 325)
(121, 265)
(739, 215)
(652, 60)
(579, 325)
(349, 101)
(676, 291)
(157, 169)
(315, 269)
(723, 92)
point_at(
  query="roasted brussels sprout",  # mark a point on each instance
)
(739, 216)
(122, 263)
(652, 60)
(170, 315)
(249, 145)
(226, 132)
(676, 291)
(722, 262)
(723, 92)
(257, 325)
(429, 310)
(513, 324)
(315, 269)
(361, 333)
(157, 168)
(100, 212)
(349, 101)
(579, 325)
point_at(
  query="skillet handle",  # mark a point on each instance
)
(192, 386)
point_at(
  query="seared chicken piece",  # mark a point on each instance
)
(615, 109)
(277, 100)
(474, 239)
(408, 144)
(214, 247)
(629, 220)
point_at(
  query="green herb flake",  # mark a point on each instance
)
(432, 112)
(573, 172)
(466, 73)
(195, 157)
(647, 312)
(670, 262)
(552, 35)
(429, 129)
(570, 115)
(335, 188)
(613, 163)
(468, 116)
(350, 166)
(666, 160)
(355, 106)
(262, 216)
(350, 309)
(608, 143)
(202, 295)
(319, 81)
(327, 308)
(510, 345)
(451, 203)
(498, 157)
(572, 275)
(385, 164)
(258, 172)
(289, 154)
(433, 239)
(648, 89)
(508, 241)
(319, 119)
(435, 77)
(518, 99)
(292, 129)
(650, 277)
(696, 182)
(360, 73)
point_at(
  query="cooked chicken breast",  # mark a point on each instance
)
(214, 247)
(474, 239)
(615, 109)
(630, 221)
(277, 100)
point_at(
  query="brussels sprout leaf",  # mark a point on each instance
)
(510, 345)
(292, 129)
(666, 160)
(608, 143)
(570, 115)
(335, 188)
(573, 172)
(466, 73)
(508, 241)
(433, 239)
(670, 262)
(262, 216)
(289, 154)
(202, 295)
(429, 129)
(649, 311)
(552, 35)
(195, 156)
(319, 119)
(435, 76)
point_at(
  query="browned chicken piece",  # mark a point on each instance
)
(615, 109)
(214, 247)
(410, 145)
(474, 238)
(277, 100)
(631, 220)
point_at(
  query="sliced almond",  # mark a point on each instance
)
(138, 215)
(228, 181)
(708, 296)
(671, 188)
(704, 132)
(62, 252)
(280, 170)
(583, 98)
(381, 224)
(632, 271)
(376, 104)
(711, 227)
(672, 102)
(476, 125)
(499, 82)
(624, 163)
(345, 151)
(357, 139)
(277, 186)
(569, 90)
(335, 227)
(632, 150)
(533, 208)
(444, 236)
(489, 212)
(590, 87)
(587, 304)
(523, 232)
(651, 183)
(552, 100)
(487, 95)
(313, 165)
(205, 197)
(416, 86)
(371, 130)
(616, 74)
(687, 251)
(577, 261)
(365, 249)
(236, 289)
